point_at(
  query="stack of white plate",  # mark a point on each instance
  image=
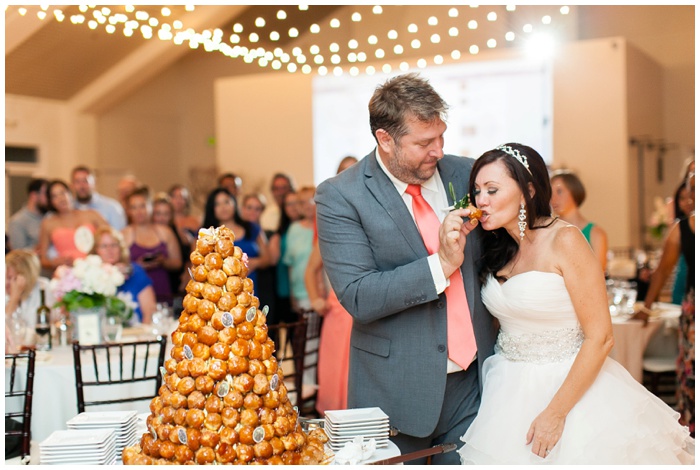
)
(79, 447)
(122, 422)
(343, 426)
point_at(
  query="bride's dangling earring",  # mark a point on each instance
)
(522, 225)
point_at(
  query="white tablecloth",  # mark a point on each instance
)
(632, 337)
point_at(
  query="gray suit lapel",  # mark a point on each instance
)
(384, 191)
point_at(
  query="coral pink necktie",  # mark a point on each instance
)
(461, 344)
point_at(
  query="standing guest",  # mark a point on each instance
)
(231, 182)
(110, 246)
(22, 296)
(164, 214)
(221, 209)
(334, 347)
(126, 186)
(182, 203)
(23, 227)
(568, 195)
(300, 239)
(252, 206)
(551, 393)
(66, 232)
(407, 357)
(83, 185)
(282, 311)
(280, 186)
(152, 246)
(680, 241)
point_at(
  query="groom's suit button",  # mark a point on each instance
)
(441, 304)
(441, 348)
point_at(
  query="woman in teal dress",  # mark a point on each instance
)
(568, 195)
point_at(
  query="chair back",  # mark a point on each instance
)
(290, 345)
(309, 393)
(113, 365)
(18, 397)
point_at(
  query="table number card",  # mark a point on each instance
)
(88, 324)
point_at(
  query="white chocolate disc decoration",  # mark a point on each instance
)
(84, 239)
(258, 434)
(182, 436)
(162, 372)
(274, 382)
(265, 310)
(188, 352)
(190, 271)
(227, 319)
(250, 314)
(222, 389)
(154, 435)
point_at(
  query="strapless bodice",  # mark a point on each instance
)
(537, 318)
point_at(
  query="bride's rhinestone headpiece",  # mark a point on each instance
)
(515, 153)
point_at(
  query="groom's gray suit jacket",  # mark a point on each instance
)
(377, 265)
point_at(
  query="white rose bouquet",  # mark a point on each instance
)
(91, 283)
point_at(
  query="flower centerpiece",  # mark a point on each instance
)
(658, 221)
(91, 283)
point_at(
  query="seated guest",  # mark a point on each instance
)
(152, 246)
(164, 214)
(109, 245)
(83, 183)
(23, 227)
(126, 186)
(66, 231)
(231, 182)
(22, 296)
(568, 195)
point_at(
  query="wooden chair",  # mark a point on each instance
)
(18, 399)
(114, 364)
(290, 345)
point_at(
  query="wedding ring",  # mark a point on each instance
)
(546, 451)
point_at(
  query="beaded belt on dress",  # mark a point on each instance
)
(540, 348)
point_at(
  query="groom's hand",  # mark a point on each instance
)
(453, 237)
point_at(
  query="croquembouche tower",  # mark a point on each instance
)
(223, 399)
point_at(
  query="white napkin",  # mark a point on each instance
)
(355, 451)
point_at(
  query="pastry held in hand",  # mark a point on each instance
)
(463, 203)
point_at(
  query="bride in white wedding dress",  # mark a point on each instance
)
(551, 394)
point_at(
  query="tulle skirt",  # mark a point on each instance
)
(617, 421)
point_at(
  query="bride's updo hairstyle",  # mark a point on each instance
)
(525, 166)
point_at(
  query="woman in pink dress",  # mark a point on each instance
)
(66, 234)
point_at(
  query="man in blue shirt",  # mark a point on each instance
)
(23, 227)
(83, 185)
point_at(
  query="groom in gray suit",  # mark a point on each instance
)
(394, 287)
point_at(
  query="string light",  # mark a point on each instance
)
(169, 23)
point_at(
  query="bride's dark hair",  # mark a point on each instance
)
(499, 247)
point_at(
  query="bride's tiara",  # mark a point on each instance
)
(515, 153)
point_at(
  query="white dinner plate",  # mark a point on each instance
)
(79, 439)
(357, 427)
(102, 418)
(368, 435)
(87, 453)
(356, 415)
(380, 445)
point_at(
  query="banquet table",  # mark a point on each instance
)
(55, 400)
(632, 337)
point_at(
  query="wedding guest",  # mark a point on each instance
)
(334, 347)
(231, 182)
(83, 185)
(152, 246)
(280, 185)
(126, 186)
(551, 393)
(22, 297)
(66, 232)
(24, 225)
(414, 352)
(252, 206)
(282, 311)
(568, 194)
(110, 246)
(299, 244)
(182, 203)
(164, 214)
(221, 209)
(683, 206)
(680, 242)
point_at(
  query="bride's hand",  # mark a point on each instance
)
(545, 431)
